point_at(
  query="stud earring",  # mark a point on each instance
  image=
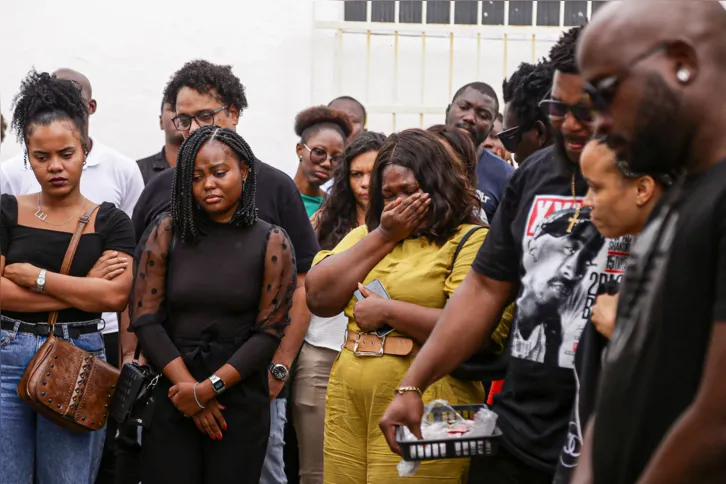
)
(683, 75)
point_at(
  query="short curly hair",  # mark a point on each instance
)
(44, 99)
(311, 121)
(203, 77)
(525, 88)
(563, 53)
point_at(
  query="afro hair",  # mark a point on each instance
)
(524, 90)
(311, 120)
(563, 53)
(203, 77)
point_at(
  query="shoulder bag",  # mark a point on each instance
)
(64, 383)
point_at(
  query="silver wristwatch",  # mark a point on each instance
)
(279, 372)
(40, 281)
(217, 384)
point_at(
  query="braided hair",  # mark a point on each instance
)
(185, 212)
(44, 99)
(524, 90)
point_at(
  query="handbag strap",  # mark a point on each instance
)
(70, 254)
(463, 241)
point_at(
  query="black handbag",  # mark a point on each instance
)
(133, 401)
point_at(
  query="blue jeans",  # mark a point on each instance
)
(30, 445)
(273, 470)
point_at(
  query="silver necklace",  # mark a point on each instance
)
(42, 216)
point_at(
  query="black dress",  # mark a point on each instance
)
(224, 300)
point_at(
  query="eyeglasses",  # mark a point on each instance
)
(511, 138)
(319, 155)
(603, 92)
(183, 122)
(557, 111)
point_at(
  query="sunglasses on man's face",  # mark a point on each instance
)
(557, 111)
(511, 138)
(602, 93)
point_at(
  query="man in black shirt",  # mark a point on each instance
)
(542, 250)
(166, 158)
(656, 72)
(205, 93)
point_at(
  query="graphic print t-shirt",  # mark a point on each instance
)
(673, 295)
(559, 264)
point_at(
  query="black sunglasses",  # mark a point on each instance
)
(602, 93)
(556, 111)
(511, 138)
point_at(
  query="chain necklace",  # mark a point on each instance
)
(42, 216)
(573, 220)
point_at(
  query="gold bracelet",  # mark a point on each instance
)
(402, 390)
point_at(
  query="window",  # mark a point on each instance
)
(410, 12)
(355, 11)
(383, 11)
(575, 13)
(492, 12)
(438, 12)
(465, 13)
(520, 12)
(548, 14)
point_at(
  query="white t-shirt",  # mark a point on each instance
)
(327, 332)
(108, 176)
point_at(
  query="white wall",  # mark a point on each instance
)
(130, 49)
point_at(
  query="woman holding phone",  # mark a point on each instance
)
(419, 240)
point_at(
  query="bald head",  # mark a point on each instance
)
(621, 30)
(83, 82)
(655, 70)
(78, 78)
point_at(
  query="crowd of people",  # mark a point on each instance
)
(559, 256)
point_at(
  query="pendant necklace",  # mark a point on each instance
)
(576, 216)
(42, 216)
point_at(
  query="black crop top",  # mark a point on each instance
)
(46, 249)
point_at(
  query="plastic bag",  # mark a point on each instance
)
(483, 425)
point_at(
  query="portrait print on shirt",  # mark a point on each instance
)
(565, 260)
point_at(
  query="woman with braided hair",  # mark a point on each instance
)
(49, 118)
(212, 291)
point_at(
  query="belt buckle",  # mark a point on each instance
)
(359, 354)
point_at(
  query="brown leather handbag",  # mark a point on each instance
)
(64, 383)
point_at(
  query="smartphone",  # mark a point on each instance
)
(376, 287)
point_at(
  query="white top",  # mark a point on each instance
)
(108, 176)
(327, 186)
(327, 332)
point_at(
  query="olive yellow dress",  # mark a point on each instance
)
(360, 389)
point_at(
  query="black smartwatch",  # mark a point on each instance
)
(279, 372)
(217, 384)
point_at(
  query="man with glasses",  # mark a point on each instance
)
(544, 252)
(655, 73)
(526, 126)
(203, 94)
(473, 110)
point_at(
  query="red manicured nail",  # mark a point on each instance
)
(214, 437)
(220, 437)
(223, 407)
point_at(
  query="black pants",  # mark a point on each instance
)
(175, 451)
(504, 468)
